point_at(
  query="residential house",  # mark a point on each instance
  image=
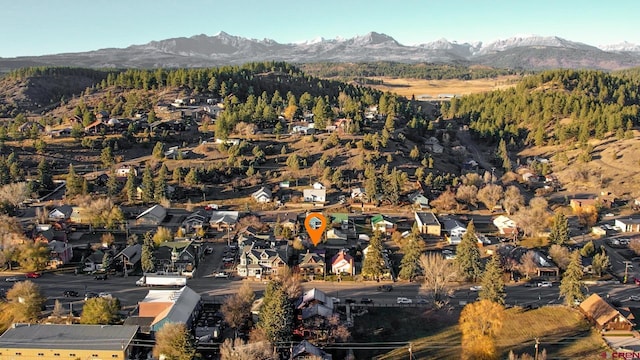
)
(60, 253)
(453, 230)
(318, 186)
(343, 263)
(124, 170)
(382, 223)
(29, 127)
(129, 257)
(358, 193)
(258, 263)
(284, 184)
(604, 316)
(153, 216)
(170, 306)
(314, 195)
(584, 205)
(505, 225)
(61, 213)
(418, 200)
(223, 220)
(628, 224)
(93, 262)
(262, 195)
(433, 145)
(312, 264)
(313, 303)
(195, 221)
(428, 223)
(543, 266)
(181, 257)
(96, 127)
(53, 341)
(307, 351)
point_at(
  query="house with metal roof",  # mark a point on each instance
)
(170, 306)
(428, 223)
(152, 216)
(223, 220)
(53, 341)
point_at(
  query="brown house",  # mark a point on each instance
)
(604, 316)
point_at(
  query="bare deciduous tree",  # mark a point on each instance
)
(438, 273)
(513, 200)
(14, 194)
(560, 255)
(490, 195)
(528, 263)
(468, 194)
(446, 201)
(238, 349)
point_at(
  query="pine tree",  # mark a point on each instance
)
(158, 150)
(147, 184)
(112, 185)
(276, 314)
(74, 182)
(44, 174)
(130, 186)
(373, 264)
(160, 187)
(570, 287)
(468, 254)
(559, 233)
(410, 263)
(492, 282)
(146, 257)
(191, 179)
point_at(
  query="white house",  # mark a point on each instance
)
(381, 223)
(263, 195)
(357, 193)
(61, 213)
(505, 225)
(343, 263)
(314, 195)
(318, 186)
(454, 230)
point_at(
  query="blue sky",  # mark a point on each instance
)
(37, 27)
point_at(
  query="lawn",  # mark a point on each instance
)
(562, 332)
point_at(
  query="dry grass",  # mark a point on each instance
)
(433, 88)
(562, 331)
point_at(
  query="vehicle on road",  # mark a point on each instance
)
(228, 259)
(208, 251)
(476, 288)
(105, 295)
(32, 275)
(100, 277)
(545, 284)
(530, 284)
(403, 300)
(385, 288)
(421, 301)
(366, 301)
(634, 297)
(12, 279)
(335, 300)
(162, 280)
(349, 301)
(221, 275)
(90, 295)
(70, 293)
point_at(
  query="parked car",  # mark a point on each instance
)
(105, 295)
(421, 301)
(335, 300)
(208, 251)
(476, 288)
(545, 284)
(403, 300)
(385, 288)
(100, 277)
(634, 297)
(70, 293)
(366, 301)
(90, 295)
(12, 279)
(32, 275)
(228, 259)
(349, 301)
(221, 275)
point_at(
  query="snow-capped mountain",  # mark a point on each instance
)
(523, 52)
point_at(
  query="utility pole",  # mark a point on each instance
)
(410, 352)
(626, 271)
(537, 346)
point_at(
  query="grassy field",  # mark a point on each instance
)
(433, 88)
(563, 333)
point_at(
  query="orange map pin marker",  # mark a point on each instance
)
(315, 224)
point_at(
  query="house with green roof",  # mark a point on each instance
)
(382, 223)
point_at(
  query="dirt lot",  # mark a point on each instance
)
(433, 88)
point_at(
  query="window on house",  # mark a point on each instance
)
(56, 354)
(72, 355)
(18, 353)
(40, 354)
(94, 355)
(114, 355)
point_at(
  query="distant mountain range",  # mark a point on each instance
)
(529, 53)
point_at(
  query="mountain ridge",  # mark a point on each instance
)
(520, 52)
